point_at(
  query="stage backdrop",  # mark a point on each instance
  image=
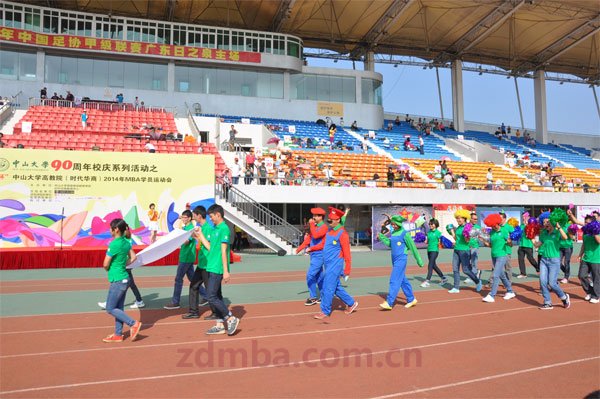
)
(511, 212)
(52, 198)
(411, 213)
(444, 213)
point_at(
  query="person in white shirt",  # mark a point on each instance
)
(236, 171)
(461, 182)
(150, 147)
(523, 187)
(570, 186)
(421, 145)
(489, 177)
(328, 173)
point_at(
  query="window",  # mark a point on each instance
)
(371, 91)
(322, 88)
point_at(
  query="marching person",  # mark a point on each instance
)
(433, 251)
(187, 257)
(589, 256)
(399, 242)
(200, 274)
(314, 274)
(497, 242)
(526, 249)
(337, 258)
(462, 252)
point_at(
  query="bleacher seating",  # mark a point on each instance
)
(562, 155)
(433, 145)
(66, 119)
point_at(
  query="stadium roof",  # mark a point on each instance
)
(517, 35)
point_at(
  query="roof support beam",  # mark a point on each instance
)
(562, 45)
(170, 10)
(379, 28)
(283, 13)
(476, 34)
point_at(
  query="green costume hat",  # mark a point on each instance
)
(398, 220)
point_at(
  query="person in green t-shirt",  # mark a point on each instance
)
(550, 262)
(589, 258)
(566, 251)
(462, 252)
(509, 229)
(200, 275)
(526, 250)
(217, 267)
(118, 256)
(187, 257)
(498, 241)
(433, 250)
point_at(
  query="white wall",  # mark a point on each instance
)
(336, 195)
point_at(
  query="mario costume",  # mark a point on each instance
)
(337, 258)
(315, 272)
(399, 242)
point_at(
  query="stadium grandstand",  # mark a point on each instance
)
(231, 80)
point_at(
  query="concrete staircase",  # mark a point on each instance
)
(7, 128)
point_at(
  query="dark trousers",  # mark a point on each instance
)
(432, 256)
(215, 298)
(586, 268)
(237, 241)
(565, 261)
(522, 253)
(134, 288)
(200, 277)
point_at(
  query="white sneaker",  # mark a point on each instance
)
(137, 305)
(489, 299)
(425, 284)
(587, 297)
(509, 295)
(102, 305)
(468, 281)
(594, 300)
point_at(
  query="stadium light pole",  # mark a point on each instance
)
(437, 75)
(596, 99)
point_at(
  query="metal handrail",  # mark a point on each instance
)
(257, 212)
(104, 106)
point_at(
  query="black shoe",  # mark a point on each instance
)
(203, 302)
(547, 306)
(190, 316)
(311, 301)
(211, 316)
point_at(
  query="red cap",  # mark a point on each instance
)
(335, 213)
(187, 205)
(317, 211)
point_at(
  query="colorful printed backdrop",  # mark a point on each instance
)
(52, 198)
(411, 213)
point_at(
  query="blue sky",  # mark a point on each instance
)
(488, 98)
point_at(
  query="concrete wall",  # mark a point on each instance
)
(336, 195)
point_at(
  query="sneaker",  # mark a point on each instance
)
(113, 338)
(489, 299)
(425, 284)
(479, 286)
(468, 281)
(522, 276)
(567, 301)
(444, 280)
(216, 330)
(352, 308)
(594, 300)
(454, 291)
(546, 306)
(137, 305)
(135, 330)
(102, 305)
(320, 316)
(587, 297)
(311, 301)
(563, 280)
(411, 304)
(203, 302)
(211, 316)
(479, 274)
(385, 306)
(232, 325)
(171, 306)
(509, 295)
(190, 315)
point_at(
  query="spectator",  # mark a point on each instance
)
(523, 187)
(249, 175)
(461, 182)
(448, 181)
(508, 130)
(407, 118)
(250, 159)
(518, 133)
(489, 177)
(354, 126)
(95, 148)
(236, 171)
(328, 173)
(332, 131)
(226, 183)
(150, 147)
(70, 96)
(232, 134)
(84, 119)
(386, 143)
(136, 103)
(390, 177)
(43, 93)
(262, 174)
(120, 98)
(442, 127)
(421, 145)
(397, 120)
(408, 146)
(342, 122)
(55, 96)
(503, 128)
(444, 168)
(365, 146)
(499, 185)
(390, 126)
(570, 186)
(451, 125)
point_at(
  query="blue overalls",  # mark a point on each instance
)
(398, 277)
(334, 266)
(315, 272)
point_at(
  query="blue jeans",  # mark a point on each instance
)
(549, 268)
(114, 305)
(215, 299)
(500, 274)
(462, 258)
(474, 259)
(183, 269)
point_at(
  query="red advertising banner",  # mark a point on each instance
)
(124, 46)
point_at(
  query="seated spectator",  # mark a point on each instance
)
(442, 127)
(354, 126)
(372, 134)
(523, 187)
(451, 125)
(461, 182)
(55, 96)
(448, 181)
(390, 126)
(70, 96)
(518, 133)
(397, 121)
(408, 146)
(150, 147)
(390, 177)
(407, 119)
(499, 185)
(386, 143)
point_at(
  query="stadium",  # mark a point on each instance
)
(166, 115)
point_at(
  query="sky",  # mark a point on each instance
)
(488, 98)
